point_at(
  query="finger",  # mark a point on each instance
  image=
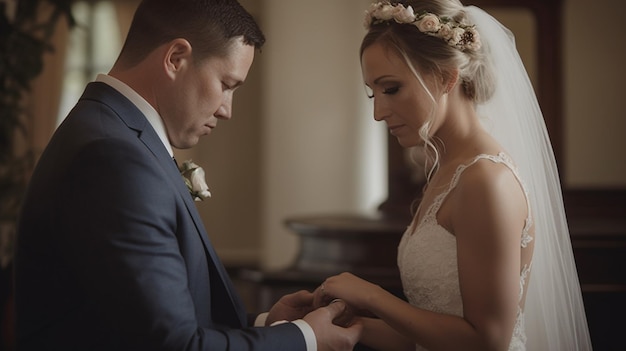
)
(346, 318)
(299, 298)
(318, 298)
(354, 331)
(336, 308)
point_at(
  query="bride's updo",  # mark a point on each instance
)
(433, 53)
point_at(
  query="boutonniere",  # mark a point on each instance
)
(193, 175)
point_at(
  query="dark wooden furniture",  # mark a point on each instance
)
(365, 245)
(597, 221)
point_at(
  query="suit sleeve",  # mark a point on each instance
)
(121, 216)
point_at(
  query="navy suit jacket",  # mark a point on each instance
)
(111, 251)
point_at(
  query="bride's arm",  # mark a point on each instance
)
(432, 330)
(380, 336)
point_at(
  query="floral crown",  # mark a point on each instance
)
(460, 36)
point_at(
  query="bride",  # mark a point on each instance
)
(486, 263)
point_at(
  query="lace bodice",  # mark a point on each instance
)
(427, 260)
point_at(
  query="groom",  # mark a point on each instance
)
(111, 252)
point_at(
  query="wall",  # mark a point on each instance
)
(323, 153)
(594, 53)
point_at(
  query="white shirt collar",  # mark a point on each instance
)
(151, 114)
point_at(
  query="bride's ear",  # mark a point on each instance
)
(450, 79)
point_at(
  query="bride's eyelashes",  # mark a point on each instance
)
(386, 91)
(391, 90)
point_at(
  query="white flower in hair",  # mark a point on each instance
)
(404, 15)
(428, 23)
(474, 44)
(458, 35)
(386, 13)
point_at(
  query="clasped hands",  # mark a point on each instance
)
(335, 323)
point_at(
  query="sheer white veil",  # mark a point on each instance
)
(554, 311)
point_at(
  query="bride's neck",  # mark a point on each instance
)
(461, 136)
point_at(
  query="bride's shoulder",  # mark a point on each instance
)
(483, 177)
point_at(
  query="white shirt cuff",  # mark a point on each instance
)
(260, 319)
(309, 335)
(305, 328)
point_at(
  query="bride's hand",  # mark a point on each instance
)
(356, 292)
(320, 297)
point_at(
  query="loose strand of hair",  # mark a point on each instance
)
(424, 130)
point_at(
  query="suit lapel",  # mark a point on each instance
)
(135, 120)
(214, 262)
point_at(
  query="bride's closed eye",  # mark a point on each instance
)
(387, 91)
(391, 90)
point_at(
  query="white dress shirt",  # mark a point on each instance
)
(151, 114)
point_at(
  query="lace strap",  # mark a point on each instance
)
(431, 212)
(506, 160)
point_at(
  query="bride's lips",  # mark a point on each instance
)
(393, 129)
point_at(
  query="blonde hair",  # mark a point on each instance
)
(435, 57)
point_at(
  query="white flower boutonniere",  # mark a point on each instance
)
(193, 175)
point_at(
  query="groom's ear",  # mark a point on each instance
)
(178, 56)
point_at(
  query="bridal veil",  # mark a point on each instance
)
(554, 310)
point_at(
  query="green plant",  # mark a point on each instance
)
(26, 30)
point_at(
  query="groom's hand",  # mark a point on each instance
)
(291, 307)
(330, 336)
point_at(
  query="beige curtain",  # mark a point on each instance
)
(44, 99)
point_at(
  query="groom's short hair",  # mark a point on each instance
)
(208, 25)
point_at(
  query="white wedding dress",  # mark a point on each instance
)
(427, 260)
